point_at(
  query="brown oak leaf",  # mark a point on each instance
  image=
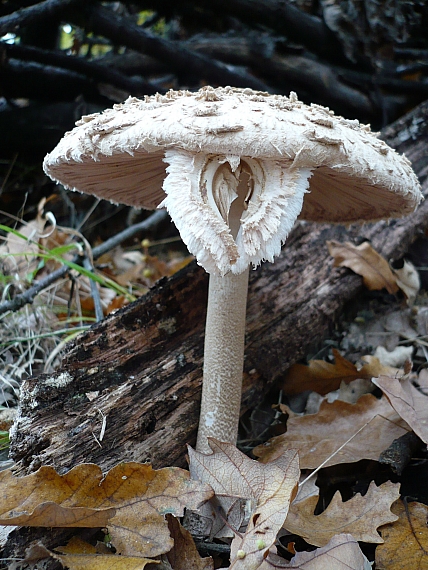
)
(319, 436)
(360, 516)
(410, 403)
(324, 377)
(271, 486)
(132, 500)
(406, 539)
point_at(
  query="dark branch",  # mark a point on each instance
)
(32, 14)
(34, 130)
(44, 82)
(122, 31)
(95, 71)
(280, 16)
(289, 72)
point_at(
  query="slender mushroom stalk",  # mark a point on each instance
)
(239, 165)
(223, 359)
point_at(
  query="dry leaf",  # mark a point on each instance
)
(360, 516)
(272, 486)
(408, 280)
(407, 401)
(35, 552)
(102, 562)
(396, 357)
(132, 497)
(406, 539)
(77, 546)
(324, 377)
(17, 255)
(79, 555)
(184, 554)
(364, 261)
(341, 553)
(52, 515)
(318, 436)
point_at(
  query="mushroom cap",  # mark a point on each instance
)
(118, 154)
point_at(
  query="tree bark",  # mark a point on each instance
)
(140, 370)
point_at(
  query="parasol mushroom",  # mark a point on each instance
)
(240, 164)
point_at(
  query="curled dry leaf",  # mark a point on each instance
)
(360, 516)
(319, 436)
(324, 377)
(365, 261)
(406, 539)
(272, 487)
(409, 402)
(131, 499)
(184, 554)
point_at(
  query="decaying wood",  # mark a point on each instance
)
(129, 388)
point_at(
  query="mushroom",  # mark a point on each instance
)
(242, 166)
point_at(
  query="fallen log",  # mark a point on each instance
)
(129, 388)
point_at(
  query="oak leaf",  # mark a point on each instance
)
(410, 403)
(272, 487)
(365, 261)
(360, 516)
(406, 539)
(319, 436)
(324, 377)
(341, 553)
(131, 500)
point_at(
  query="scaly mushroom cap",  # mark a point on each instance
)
(218, 141)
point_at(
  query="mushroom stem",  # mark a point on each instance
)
(223, 359)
